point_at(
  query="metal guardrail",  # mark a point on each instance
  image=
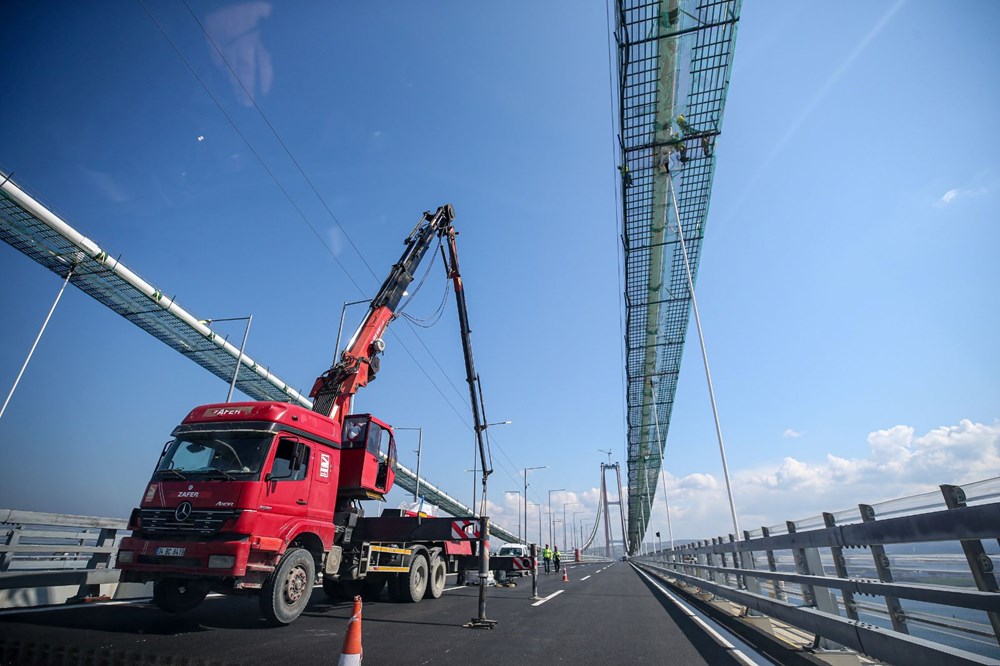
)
(42, 552)
(922, 560)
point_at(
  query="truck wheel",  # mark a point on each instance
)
(436, 579)
(412, 585)
(176, 595)
(286, 591)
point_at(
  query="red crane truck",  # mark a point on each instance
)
(261, 497)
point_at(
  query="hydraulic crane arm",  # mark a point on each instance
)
(359, 363)
(471, 376)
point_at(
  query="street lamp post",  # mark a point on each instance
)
(565, 540)
(239, 359)
(420, 446)
(577, 542)
(526, 470)
(518, 512)
(340, 331)
(526, 503)
(552, 527)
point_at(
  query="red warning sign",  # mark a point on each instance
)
(463, 530)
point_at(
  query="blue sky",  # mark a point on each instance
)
(848, 281)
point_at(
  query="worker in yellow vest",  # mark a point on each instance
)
(547, 557)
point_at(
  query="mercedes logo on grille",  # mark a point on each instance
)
(183, 512)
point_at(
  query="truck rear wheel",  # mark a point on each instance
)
(286, 591)
(436, 579)
(412, 585)
(176, 595)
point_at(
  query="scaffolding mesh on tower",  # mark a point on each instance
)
(674, 60)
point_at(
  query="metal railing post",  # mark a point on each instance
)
(105, 538)
(13, 538)
(808, 563)
(752, 583)
(777, 589)
(884, 569)
(840, 564)
(979, 562)
(709, 556)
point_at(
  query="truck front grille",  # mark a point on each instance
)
(202, 522)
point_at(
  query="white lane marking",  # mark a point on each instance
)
(449, 589)
(701, 623)
(551, 596)
(584, 578)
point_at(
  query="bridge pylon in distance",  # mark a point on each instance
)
(607, 503)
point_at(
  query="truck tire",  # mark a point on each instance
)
(176, 595)
(436, 579)
(412, 585)
(286, 591)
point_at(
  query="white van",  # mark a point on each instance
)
(515, 550)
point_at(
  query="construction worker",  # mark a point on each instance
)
(547, 557)
(555, 558)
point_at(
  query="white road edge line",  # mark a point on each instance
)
(701, 623)
(551, 596)
(449, 589)
(584, 578)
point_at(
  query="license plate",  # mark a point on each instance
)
(172, 552)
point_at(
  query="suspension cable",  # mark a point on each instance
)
(704, 354)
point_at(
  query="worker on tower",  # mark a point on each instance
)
(626, 176)
(547, 557)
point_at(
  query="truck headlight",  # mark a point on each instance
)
(126, 556)
(221, 561)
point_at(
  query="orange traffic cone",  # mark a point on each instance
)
(565, 574)
(352, 654)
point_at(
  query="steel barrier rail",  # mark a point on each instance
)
(868, 639)
(47, 550)
(799, 591)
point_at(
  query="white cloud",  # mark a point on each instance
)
(957, 193)
(900, 463)
(236, 30)
(791, 434)
(948, 197)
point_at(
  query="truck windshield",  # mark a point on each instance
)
(228, 455)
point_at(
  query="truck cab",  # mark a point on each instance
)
(242, 483)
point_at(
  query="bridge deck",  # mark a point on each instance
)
(605, 614)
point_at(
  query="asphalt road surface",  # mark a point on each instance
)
(605, 614)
